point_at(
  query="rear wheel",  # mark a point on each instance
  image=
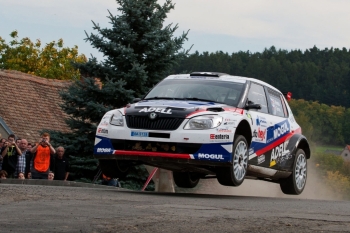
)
(186, 179)
(235, 174)
(295, 183)
(114, 168)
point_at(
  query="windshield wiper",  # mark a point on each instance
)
(161, 98)
(199, 99)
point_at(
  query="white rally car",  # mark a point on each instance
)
(207, 125)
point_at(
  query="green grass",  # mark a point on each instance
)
(321, 149)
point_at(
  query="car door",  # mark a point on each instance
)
(260, 122)
(278, 133)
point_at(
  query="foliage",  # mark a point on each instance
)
(136, 179)
(322, 123)
(53, 61)
(339, 182)
(313, 75)
(335, 171)
(138, 52)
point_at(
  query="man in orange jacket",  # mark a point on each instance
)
(42, 157)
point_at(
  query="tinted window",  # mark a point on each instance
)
(257, 96)
(211, 90)
(277, 106)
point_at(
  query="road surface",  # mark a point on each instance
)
(35, 208)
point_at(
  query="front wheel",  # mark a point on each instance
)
(235, 174)
(295, 183)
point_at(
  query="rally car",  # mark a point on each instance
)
(207, 125)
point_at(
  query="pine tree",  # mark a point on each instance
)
(138, 52)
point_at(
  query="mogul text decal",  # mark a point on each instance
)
(210, 156)
(160, 110)
(104, 150)
(280, 130)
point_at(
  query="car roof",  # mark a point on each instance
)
(221, 77)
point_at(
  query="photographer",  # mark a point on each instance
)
(42, 157)
(10, 153)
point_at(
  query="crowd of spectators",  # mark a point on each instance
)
(20, 159)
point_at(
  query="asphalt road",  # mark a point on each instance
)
(33, 208)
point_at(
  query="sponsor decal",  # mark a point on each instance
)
(260, 135)
(261, 121)
(280, 154)
(229, 123)
(104, 150)
(160, 110)
(251, 151)
(139, 134)
(102, 130)
(250, 117)
(210, 156)
(261, 159)
(280, 130)
(224, 130)
(220, 136)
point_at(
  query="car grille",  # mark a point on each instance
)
(138, 122)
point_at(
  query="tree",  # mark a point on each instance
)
(53, 61)
(138, 52)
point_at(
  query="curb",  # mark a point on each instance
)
(53, 183)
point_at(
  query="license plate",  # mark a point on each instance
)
(139, 134)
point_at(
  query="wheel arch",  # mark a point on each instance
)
(244, 129)
(298, 141)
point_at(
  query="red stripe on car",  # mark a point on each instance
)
(152, 154)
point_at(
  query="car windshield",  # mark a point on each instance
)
(198, 90)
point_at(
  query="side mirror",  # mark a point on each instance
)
(251, 105)
(136, 100)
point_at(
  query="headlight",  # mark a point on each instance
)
(204, 122)
(117, 119)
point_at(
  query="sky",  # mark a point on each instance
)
(215, 25)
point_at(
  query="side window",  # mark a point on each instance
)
(257, 96)
(277, 106)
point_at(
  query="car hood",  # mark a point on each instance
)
(172, 108)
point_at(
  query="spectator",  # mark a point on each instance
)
(109, 181)
(30, 146)
(60, 165)
(51, 175)
(10, 154)
(22, 159)
(41, 157)
(3, 174)
(2, 141)
(21, 176)
(18, 141)
(29, 175)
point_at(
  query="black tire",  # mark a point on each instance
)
(114, 168)
(235, 174)
(295, 183)
(186, 179)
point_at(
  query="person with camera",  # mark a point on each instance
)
(42, 153)
(10, 153)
